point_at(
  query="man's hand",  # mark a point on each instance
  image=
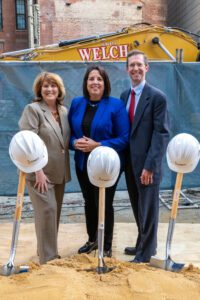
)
(146, 177)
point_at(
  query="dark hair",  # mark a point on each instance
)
(104, 75)
(136, 52)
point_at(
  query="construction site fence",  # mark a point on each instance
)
(180, 82)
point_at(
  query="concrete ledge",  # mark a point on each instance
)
(73, 209)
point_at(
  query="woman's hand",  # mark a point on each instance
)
(86, 144)
(78, 143)
(41, 183)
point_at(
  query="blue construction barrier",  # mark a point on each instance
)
(179, 81)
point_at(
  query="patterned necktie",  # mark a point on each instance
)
(132, 106)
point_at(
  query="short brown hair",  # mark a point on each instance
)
(137, 52)
(51, 78)
(104, 75)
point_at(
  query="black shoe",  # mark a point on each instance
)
(130, 251)
(88, 247)
(139, 260)
(107, 253)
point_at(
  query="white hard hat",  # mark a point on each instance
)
(103, 166)
(183, 153)
(28, 151)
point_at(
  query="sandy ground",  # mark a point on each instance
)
(69, 278)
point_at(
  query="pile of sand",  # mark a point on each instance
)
(69, 279)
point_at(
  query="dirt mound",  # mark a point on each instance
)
(70, 279)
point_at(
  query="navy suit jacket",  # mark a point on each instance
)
(149, 133)
(110, 125)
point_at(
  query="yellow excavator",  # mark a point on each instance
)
(158, 42)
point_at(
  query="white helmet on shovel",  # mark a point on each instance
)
(183, 153)
(28, 151)
(103, 166)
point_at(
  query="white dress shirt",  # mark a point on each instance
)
(138, 91)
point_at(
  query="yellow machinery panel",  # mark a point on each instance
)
(159, 44)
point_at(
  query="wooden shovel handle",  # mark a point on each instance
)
(176, 194)
(101, 205)
(20, 195)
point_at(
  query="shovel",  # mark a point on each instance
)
(102, 268)
(168, 264)
(10, 268)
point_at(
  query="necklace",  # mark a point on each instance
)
(55, 114)
(93, 103)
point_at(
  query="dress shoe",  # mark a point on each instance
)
(139, 260)
(88, 247)
(130, 251)
(107, 253)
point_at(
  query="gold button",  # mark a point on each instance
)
(63, 151)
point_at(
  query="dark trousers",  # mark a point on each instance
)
(145, 204)
(91, 197)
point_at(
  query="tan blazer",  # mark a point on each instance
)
(38, 118)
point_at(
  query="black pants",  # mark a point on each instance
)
(145, 204)
(91, 197)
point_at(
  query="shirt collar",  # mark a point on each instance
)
(138, 88)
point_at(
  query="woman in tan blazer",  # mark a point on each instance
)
(47, 117)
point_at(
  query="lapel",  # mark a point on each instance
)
(126, 96)
(143, 102)
(99, 115)
(80, 112)
(64, 121)
(52, 122)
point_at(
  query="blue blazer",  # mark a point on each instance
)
(110, 125)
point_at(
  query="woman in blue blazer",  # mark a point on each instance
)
(96, 119)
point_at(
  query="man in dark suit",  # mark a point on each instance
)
(147, 107)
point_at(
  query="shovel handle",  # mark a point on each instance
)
(20, 195)
(101, 205)
(176, 194)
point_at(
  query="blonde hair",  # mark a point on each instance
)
(50, 78)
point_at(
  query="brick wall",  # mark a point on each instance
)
(154, 12)
(71, 19)
(10, 38)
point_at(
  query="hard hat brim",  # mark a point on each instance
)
(34, 166)
(101, 183)
(181, 168)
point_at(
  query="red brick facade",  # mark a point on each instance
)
(10, 38)
(72, 19)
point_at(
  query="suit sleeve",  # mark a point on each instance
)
(29, 119)
(160, 135)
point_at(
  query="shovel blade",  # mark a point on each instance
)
(104, 269)
(157, 263)
(8, 270)
(166, 264)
